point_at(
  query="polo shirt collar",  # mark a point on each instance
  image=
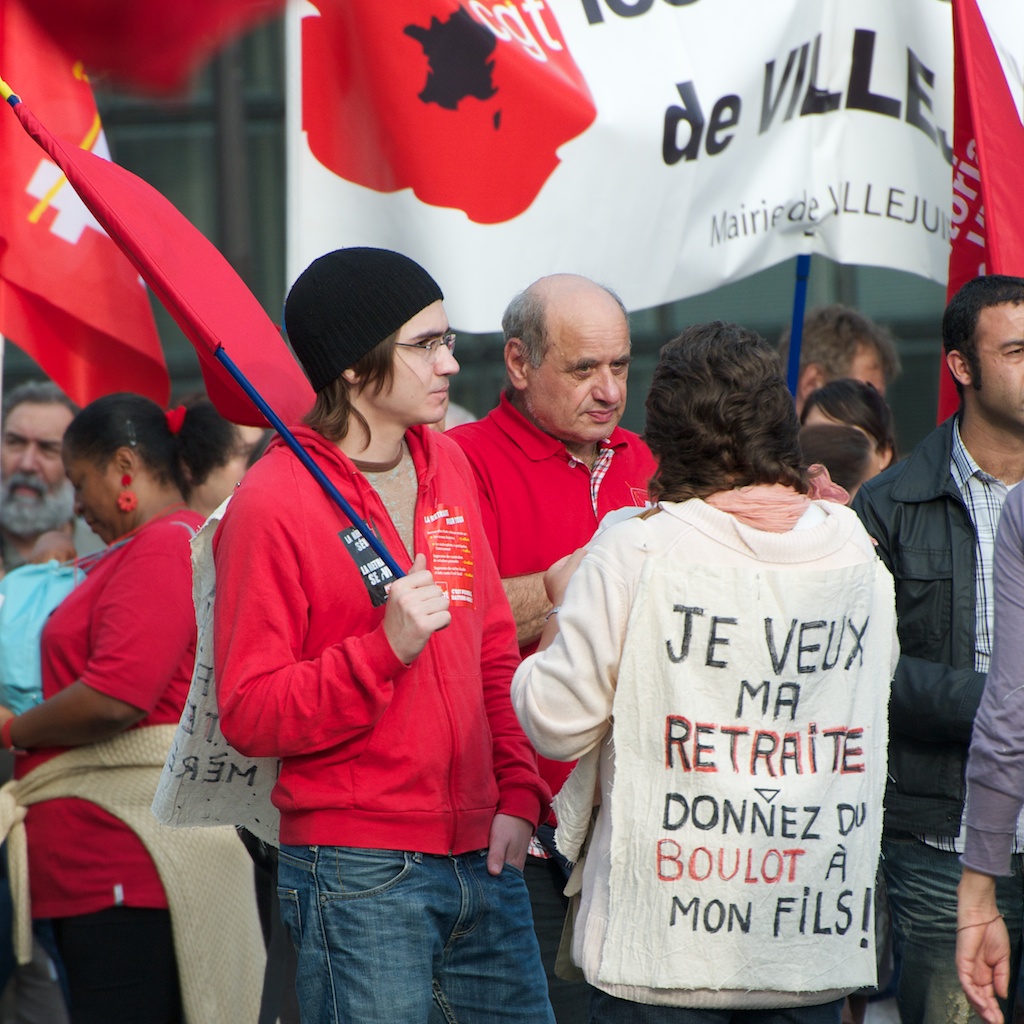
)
(533, 442)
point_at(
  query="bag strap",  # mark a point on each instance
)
(89, 562)
(86, 563)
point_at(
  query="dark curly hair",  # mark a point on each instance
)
(719, 415)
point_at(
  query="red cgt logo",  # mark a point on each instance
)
(466, 104)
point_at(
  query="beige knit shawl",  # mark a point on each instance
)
(206, 872)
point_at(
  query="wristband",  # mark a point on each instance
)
(979, 924)
(5, 736)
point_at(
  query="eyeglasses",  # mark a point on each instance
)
(429, 346)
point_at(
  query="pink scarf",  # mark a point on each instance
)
(776, 508)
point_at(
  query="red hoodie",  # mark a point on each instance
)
(375, 754)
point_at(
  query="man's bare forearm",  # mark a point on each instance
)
(529, 603)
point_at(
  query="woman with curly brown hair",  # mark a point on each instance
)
(699, 656)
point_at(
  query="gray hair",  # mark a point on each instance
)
(36, 392)
(524, 319)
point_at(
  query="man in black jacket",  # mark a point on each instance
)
(934, 517)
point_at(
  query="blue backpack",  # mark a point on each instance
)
(28, 595)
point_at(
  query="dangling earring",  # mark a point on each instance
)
(127, 500)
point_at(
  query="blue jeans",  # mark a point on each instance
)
(921, 882)
(606, 1009)
(386, 936)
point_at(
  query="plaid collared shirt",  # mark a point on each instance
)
(597, 472)
(984, 496)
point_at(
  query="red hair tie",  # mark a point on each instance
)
(175, 419)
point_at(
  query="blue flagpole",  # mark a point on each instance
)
(796, 330)
(304, 457)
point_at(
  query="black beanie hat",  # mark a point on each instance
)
(346, 303)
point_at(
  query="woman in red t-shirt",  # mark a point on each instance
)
(117, 656)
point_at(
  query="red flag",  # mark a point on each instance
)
(988, 180)
(67, 296)
(152, 44)
(442, 98)
(187, 273)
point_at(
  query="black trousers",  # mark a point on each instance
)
(121, 966)
(545, 880)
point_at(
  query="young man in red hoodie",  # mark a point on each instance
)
(407, 791)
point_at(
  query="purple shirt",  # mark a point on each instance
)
(995, 769)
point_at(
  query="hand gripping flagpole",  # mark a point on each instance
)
(200, 290)
(306, 459)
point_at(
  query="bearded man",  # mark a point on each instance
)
(35, 495)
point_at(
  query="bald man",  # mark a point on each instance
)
(550, 461)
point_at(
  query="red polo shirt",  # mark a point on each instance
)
(127, 631)
(536, 498)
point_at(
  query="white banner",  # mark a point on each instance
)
(205, 781)
(663, 147)
(750, 755)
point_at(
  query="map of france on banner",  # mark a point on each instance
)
(68, 297)
(661, 149)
